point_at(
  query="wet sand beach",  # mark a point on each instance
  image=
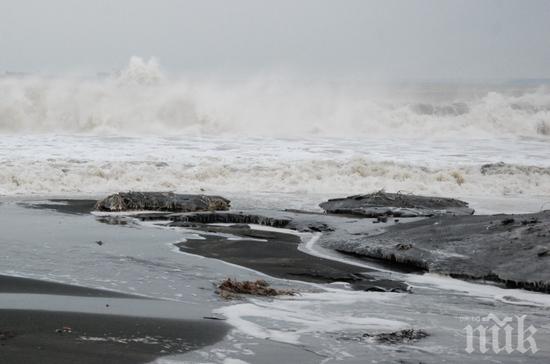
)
(41, 335)
(148, 292)
(277, 254)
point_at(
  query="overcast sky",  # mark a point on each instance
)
(372, 39)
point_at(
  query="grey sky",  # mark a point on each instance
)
(371, 39)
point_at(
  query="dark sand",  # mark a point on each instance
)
(25, 285)
(33, 336)
(67, 206)
(279, 257)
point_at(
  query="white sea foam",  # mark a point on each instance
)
(70, 165)
(308, 314)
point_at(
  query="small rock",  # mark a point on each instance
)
(543, 253)
(507, 221)
(64, 330)
(213, 318)
(531, 221)
(5, 335)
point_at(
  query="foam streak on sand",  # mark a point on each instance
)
(335, 310)
(303, 315)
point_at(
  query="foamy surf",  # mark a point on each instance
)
(312, 169)
(287, 320)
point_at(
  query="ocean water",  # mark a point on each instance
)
(268, 142)
(143, 129)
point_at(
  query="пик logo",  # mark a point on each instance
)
(505, 328)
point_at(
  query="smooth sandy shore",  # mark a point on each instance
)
(38, 335)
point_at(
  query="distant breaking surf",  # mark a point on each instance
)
(142, 100)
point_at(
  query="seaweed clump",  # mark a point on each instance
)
(232, 288)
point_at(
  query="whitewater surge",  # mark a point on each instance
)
(353, 176)
(143, 129)
(142, 100)
(72, 165)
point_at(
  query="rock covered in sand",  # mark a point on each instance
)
(161, 201)
(396, 204)
(509, 249)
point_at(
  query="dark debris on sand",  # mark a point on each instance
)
(405, 336)
(399, 337)
(231, 288)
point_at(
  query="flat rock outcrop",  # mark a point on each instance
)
(161, 201)
(396, 204)
(509, 249)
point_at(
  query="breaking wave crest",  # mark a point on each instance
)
(141, 99)
(325, 177)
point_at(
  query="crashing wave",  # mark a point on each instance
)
(140, 72)
(142, 100)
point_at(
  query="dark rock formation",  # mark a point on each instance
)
(396, 204)
(161, 201)
(501, 168)
(510, 249)
(226, 218)
(278, 220)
